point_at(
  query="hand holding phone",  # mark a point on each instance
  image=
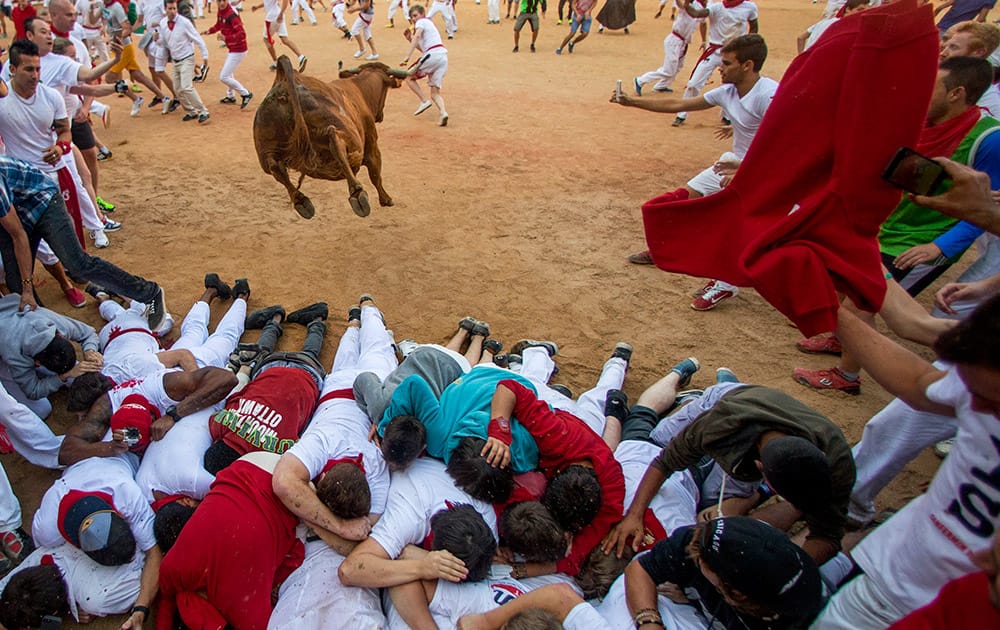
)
(914, 173)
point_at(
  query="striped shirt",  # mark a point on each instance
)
(26, 188)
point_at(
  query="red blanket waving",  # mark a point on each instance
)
(799, 220)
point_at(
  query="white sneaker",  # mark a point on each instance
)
(358, 54)
(407, 346)
(165, 326)
(100, 239)
(166, 105)
(372, 57)
(443, 121)
(137, 107)
(423, 108)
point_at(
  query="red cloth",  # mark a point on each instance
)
(228, 21)
(944, 138)
(68, 188)
(19, 16)
(800, 219)
(269, 414)
(238, 545)
(962, 603)
(563, 439)
(529, 486)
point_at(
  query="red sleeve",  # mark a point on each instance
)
(612, 481)
(215, 27)
(499, 428)
(538, 418)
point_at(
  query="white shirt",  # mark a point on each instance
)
(272, 10)
(26, 125)
(429, 36)
(150, 386)
(111, 475)
(746, 113)
(676, 503)
(725, 24)
(152, 12)
(685, 25)
(614, 609)
(90, 14)
(133, 354)
(990, 101)
(931, 541)
(174, 465)
(816, 30)
(415, 495)
(180, 41)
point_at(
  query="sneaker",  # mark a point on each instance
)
(663, 90)
(303, 60)
(135, 88)
(137, 106)
(827, 379)
(725, 375)
(156, 309)
(637, 86)
(423, 107)
(167, 102)
(571, 46)
(174, 104)
(294, 22)
(272, 67)
(826, 344)
(190, 116)
(943, 448)
(622, 351)
(156, 101)
(626, 30)
(17, 545)
(480, 329)
(354, 314)
(112, 226)
(493, 346)
(532, 48)
(102, 204)
(469, 324)
(245, 100)
(562, 389)
(514, 360)
(100, 239)
(558, 51)
(701, 290)
(103, 154)
(203, 118)
(714, 296)
(241, 286)
(726, 122)
(256, 320)
(550, 346)
(641, 258)
(213, 281)
(443, 121)
(228, 100)
(616, 405)
(686, 369)
(96, 291)
(390, 25)
(359, 54)
(372, 57)
(308, 314)
(501, 360)
(678, 122)
(75, 297)
(406, 347)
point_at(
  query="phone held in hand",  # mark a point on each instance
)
(914, 173)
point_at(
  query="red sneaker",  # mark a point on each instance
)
(75, 297)
(712, 297)
(827, 379)
(828, 344)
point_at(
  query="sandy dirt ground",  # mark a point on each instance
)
(520, 212)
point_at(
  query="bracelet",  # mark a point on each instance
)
(645, 612)
(27, 282)
(143, 609)
(518, 571)
(657, 620)
(64, 146)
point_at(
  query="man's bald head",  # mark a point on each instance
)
(63, 15)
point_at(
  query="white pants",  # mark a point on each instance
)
(233, 86)
(365, 349)
(669, 427)
(338, 15)
(493, 10)
(184, 86)
(303, 5)
(214, 349)
(31, 437)
(95, 42)
(891, 440)
(447, 14)
(398, 4)
(362, 28)
(702, 73)
(859, 605)
(10, 509)
(156, 56)
(674, 51)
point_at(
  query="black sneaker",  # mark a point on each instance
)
(156, 309)
(96, 291)
(241, 287)
(212, 281)
(245, 100)
(514, 359)
(616, 405)
(157, 100)
(228, 100)
(480, 329)
(305, 315)
(493, 346)
(622, 351)
(203, 118)
(174, 104)
(191, 116)
(550, 346)
(562, 389)
(256, 320)
(354, 314)
(502, 360)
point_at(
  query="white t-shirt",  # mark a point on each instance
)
(747, 112)
(272, 10)
(990, 101)
(152, 12)
(728, 24)
(415, 495)
(614, 610)
(111, 475)
(150, 386)
(174, 465)
(685, 25)
(90, 13)
(339, 429)
(676, 503)
(91, 588)
(429, 36)
(931, 541)
(817, 30)
(26, 125)
(133, 354)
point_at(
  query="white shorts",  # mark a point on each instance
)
(156, 54)
(274, 29)
(434, 68)
(360, 26)
(708, 182)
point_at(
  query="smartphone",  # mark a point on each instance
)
(50, 622)
(914, 173)
(618, 89)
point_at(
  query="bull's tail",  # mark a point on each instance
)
(299, 140)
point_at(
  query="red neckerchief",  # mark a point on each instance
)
(57, 32)
(942, 139)
(358, 461)
(170, 24)
(170, 498)
(729, 4)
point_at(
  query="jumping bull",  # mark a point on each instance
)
(325, 130)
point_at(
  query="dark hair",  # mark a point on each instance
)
(600, 570)
(798, 471)
(417, 7)
(29, 24)
(344, 489)
(574, 497)
(168, 523)
(405, 437)
(748, 48)
(478, 477)
(972, 73)
(219, 456)
(32, 594)
(529, 529)
(854, 4)
(19, 48)
(86, 389)
(462, 531)
(533, 619)
(976, 339)
(58, 357)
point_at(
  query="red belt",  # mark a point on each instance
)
(677, 35)
(347, 394)
(118, 332)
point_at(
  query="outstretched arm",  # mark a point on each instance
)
(369, 565)
(83, 439)
(291, 485)
(662, 105)
(558, 599)
(196, 391)
(693, 11)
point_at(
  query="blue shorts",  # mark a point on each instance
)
(583, 25)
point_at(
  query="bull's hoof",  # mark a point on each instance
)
(385, 202)
(360, 204)
(304, 207)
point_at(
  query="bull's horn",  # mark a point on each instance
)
(340, 65)
(399, 74)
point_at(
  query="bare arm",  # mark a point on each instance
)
(944, 5)
(181, 358)
(369, 565)
(413, 603)
(341, 545)
(800, 42)
(640, 590)
(752, 26)
(558, 599)
(692, 11)
(83, 439)
(87, 89)
(22, 254)
(148, 587)
(195, 391)
(291, 485)
(663, 105)
(89, 74)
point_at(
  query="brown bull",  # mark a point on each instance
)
(324, 130)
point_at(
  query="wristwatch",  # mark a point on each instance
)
(172, 412)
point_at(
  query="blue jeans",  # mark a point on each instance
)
(56, 228)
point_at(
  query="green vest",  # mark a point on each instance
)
(910, 225)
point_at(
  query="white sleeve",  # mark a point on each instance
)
(44, 528)
(401, 524)
(58, 102)
(583, 617)
(716, 96)
(69, 73)
(312, 452)
(129, 501)
(753, 14)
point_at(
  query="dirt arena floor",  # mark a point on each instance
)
(520, 212)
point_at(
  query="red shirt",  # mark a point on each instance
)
(962, 603)
(564, 439)
(19, 16)
(228, 21)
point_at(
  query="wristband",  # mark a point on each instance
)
(27, 282)
(64, 146)
(143, 609)
(121, 87)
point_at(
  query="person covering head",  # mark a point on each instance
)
(797, 470)
(135, 412)
(89, 521)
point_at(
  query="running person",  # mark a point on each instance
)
(581, 19)
(274, 24)
(180, 37)
(675, 47)
(228, 21)
(362, 29)
(427, 40)
(447, 11)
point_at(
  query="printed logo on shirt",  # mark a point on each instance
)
(253, 423)
(974, 509)
(504, 592)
